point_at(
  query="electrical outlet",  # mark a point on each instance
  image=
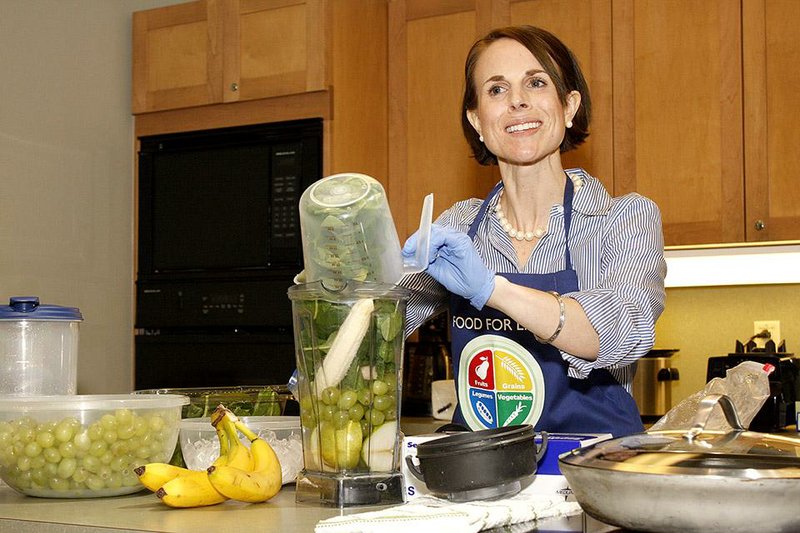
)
(774, 328)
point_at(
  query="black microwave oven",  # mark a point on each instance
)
(218, 226)
(223, 203)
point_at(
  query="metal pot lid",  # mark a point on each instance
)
(734, 454)
(29, 308)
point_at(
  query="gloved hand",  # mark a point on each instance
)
(455, 263)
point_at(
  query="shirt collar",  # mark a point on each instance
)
(591, 198)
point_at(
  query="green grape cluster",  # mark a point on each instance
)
(66, 458)
(370, 405)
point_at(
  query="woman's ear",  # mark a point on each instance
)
(572, 105)
(472, 116)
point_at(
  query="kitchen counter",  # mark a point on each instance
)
(142, 512)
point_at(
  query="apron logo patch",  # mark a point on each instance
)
(503, 383)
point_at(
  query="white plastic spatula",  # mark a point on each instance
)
(418, 263)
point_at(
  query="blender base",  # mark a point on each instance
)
(340, 490)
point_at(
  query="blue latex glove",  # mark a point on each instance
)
(455, 263)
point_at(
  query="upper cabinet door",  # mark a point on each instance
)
(587, 32)
(772, 136)
(678, 114)
(214, 51)
(273, 48)
(177, 56)
(428, 43)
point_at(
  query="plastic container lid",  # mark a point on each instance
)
(274, 423)
(29, 308)
(89, 402)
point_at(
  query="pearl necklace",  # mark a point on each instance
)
(513, 232)
(518, 234)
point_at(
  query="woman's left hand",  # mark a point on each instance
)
(455, 263)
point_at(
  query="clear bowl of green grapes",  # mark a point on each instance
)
(85, 446)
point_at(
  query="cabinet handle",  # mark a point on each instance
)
(234, 86)
(759, 225)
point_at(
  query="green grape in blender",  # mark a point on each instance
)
(382, 403)
(379, 387)
(326, 412)
(330, 396)
(364, 397)
(356, 412)
(340, 419)
(375, 418)
(347, 399)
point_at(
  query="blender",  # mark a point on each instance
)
(349, 321)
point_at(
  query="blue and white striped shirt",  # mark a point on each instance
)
(617, 251)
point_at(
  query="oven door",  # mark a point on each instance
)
(179, 359)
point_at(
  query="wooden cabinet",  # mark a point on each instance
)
(177, 56)
(213, 51)
(703, 115)
(428, 152)
(678, 114)
(220, 63)
(771, 47)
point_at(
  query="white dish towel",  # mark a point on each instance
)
(426, 513)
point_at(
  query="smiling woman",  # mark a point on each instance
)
(577, 275)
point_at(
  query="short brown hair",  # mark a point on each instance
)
(557, 60)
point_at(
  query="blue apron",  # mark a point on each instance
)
(505, 377)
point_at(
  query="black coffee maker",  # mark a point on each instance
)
(784, 386)
(426, 360)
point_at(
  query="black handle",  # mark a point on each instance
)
(542, 447)
(414, 469)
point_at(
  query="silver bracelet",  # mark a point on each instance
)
(561, 319)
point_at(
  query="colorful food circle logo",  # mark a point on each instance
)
(499, 384)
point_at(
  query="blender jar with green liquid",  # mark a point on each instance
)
(349, 321)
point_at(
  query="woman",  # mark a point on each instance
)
(554, 286)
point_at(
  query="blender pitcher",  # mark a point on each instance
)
(349, 235)
(349, 349)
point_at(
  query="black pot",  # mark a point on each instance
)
(478, 465)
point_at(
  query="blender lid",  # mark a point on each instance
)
(29, 308)
(341, 190)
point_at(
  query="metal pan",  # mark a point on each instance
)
(694, 480)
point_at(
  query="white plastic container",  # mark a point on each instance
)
(38, 348)
(200, 444)
(64, 459)
(349, 235)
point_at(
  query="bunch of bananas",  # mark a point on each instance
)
(249, 475)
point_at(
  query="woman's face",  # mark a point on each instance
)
(519, 113)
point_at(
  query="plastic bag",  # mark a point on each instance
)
(747, 385)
